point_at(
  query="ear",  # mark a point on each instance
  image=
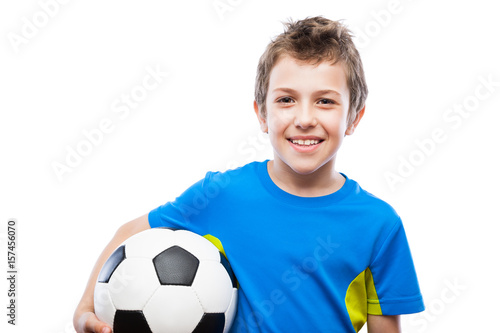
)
(262, 121)
(350, 129)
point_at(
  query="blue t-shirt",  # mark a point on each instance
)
(304, 264)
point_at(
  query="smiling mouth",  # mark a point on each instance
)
(305, 143)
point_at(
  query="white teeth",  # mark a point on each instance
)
(305, 142)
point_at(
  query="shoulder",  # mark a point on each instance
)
(372, 205)
(233, 179)
(381, 224)
(245, 173)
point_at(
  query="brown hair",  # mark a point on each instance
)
(314, 40)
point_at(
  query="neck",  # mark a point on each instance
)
(322, 181)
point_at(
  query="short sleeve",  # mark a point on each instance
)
(394, 277)
(184, 212)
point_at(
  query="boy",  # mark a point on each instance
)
(312, 251)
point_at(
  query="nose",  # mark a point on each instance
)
(305, 117)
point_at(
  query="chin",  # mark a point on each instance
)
(305, 169)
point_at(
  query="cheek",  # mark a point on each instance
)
(335, 126)
(278, 122)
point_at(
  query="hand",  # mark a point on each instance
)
(88, 323)
(84, 318)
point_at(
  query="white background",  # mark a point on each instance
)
(421, 58)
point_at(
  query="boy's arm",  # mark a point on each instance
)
(84, 318)
(383, 324)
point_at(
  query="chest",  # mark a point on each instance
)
(291, 247)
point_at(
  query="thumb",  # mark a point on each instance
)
(92, 324)
(102, 328)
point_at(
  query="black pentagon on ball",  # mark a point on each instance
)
(169, 228)
(211, 323)
(110, 265)
(130, 322)
(176, 266)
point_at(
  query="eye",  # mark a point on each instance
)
(326, 101)
(285, 100)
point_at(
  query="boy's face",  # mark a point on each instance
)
(307, 108)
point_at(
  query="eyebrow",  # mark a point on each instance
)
(320, 92)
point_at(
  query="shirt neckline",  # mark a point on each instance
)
(282, 195)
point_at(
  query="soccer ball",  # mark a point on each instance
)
(165, 280)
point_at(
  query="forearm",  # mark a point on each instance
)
(383, 324)
(124, 232)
